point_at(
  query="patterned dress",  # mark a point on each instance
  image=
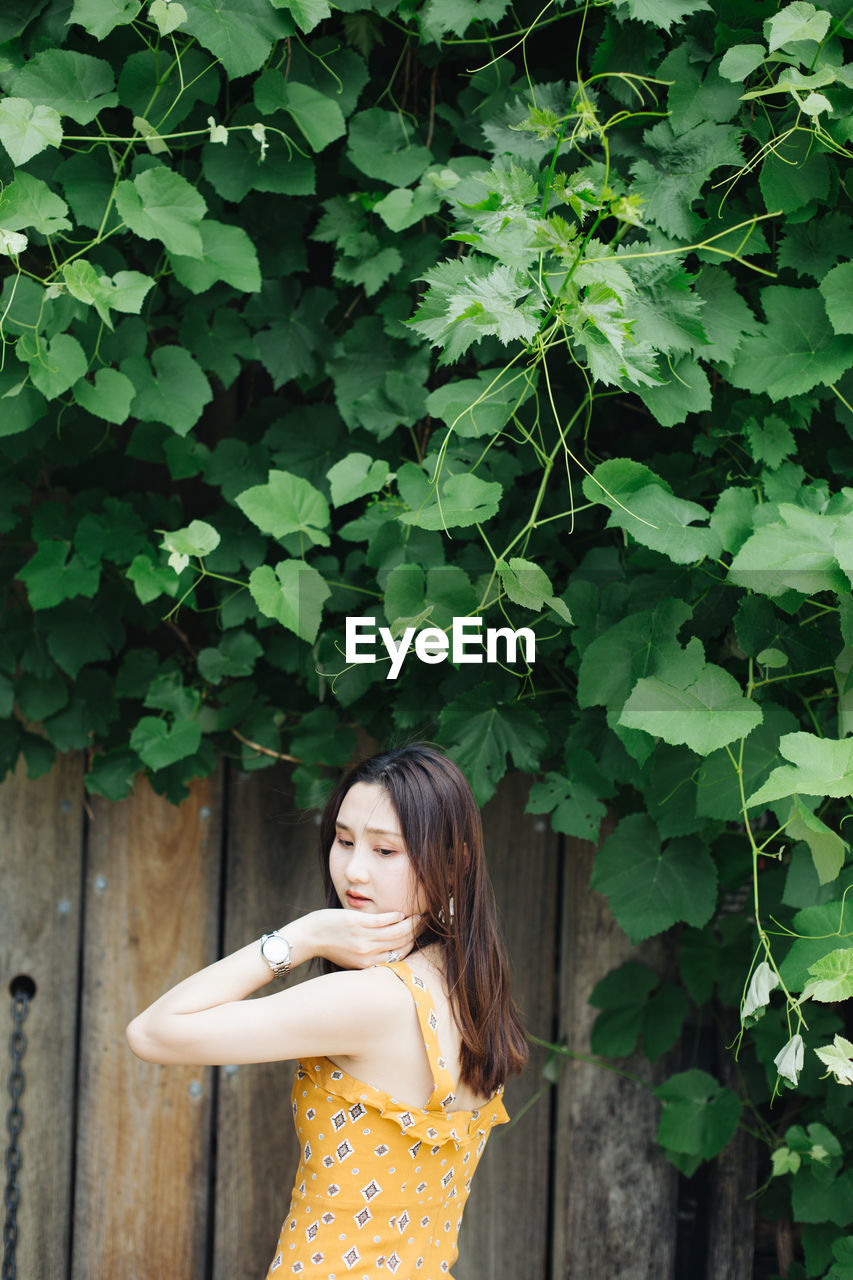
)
(380, 1187)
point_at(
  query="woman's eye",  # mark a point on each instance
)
(347, 844)
(387, 851)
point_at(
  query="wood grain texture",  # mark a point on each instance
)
(151, 918)
(41, 849)
(614, 1193)
(733, 1180)
(505, 1229)
(272, 877)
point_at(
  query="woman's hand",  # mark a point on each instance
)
(357, 940)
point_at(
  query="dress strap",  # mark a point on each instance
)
(444, 1091)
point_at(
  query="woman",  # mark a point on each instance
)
(401, 1062)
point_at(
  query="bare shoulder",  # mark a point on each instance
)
(375, 994)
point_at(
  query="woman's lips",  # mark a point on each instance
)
(355, 899)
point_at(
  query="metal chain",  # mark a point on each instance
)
(14, 1124)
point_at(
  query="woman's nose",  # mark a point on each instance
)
(357, 865)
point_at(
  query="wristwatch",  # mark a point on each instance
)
(276, 950)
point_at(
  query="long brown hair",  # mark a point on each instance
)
(440, 823)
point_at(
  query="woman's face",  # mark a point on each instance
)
(368, 862)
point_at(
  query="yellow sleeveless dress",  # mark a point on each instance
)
(380, 1187)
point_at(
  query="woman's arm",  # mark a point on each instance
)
(206, 1019)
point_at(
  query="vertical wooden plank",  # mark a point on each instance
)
(272, 877)
(614, 1193)
(733, 1180)
(41, 849)
(505, 1229)
(143, 1138)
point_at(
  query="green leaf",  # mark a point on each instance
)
(838, 1057)
(26, 130)
(612, 662)
(381, 146)
(670, 181)
(467, 301)
(793, 174)
(643, 504)
(797, 21)
(718, 784)
(167, 14)
(663, 13)
(355, 475)
(109, 396)
(770, 441)
(57, 367)
(21, 405)
(197, 539)
(819, 767)
(574, 807)
(287, 504)
(228, 254)
(528, 585)
(437, 17)
(318, 116)
(111, 774)
(38, 698)
(623, 997)
(732, 519)
(99, 17)
(686, 390)
(294, 344)
(29, 202)
(321, 738)
(479, 731)
(726, 318)
(819, 931)
(159, 745)
(692, 702)
(462, 500)
(740, 60)
(651, 888)
(814, 1199)
(305, 13)
(795, 350)
(125, 291)
(161, 205)
(403, 207)
(174, 391)
(831, 977)
(53, 574)
(151, 580)
(811, 248)
(293, 594)
(698, 1116)
(73, 84)
(785, 1161)
(836, 288)
(240, 36)
(827, 848)
(801, 551)
(234, 657)
(481, 406)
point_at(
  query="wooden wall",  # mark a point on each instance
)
(137, 1171)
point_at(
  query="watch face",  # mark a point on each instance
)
(275, 950)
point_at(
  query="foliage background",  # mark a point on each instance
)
(620, 416)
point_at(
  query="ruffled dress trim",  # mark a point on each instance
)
(432, 1124)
